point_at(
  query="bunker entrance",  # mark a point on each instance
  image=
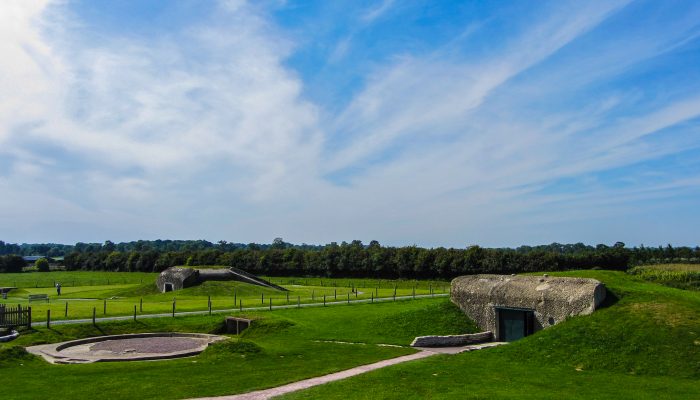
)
(514, 324)
(168, 287)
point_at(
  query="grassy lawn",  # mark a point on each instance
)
(125, 291)
(73, 278)
(286, 346)
(644, 345)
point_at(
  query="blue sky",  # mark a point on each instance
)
(408, 122)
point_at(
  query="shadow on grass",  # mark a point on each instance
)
(610, 299)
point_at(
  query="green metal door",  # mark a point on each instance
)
(514, 324)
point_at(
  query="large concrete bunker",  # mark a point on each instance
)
(176, 278)
(516, 306)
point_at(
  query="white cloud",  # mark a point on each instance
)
(205, 132)
(211, 99)
(423, 96)
(375, 12)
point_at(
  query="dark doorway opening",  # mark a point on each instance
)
(514, 324)
(168, 287)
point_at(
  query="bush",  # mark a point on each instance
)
(42, 265)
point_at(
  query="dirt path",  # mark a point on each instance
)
(320, 380)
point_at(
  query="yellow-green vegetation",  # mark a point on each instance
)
(282, 346)
(644, 345)
(683, 276)
(112, 294)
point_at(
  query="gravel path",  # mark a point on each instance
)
(307, 383)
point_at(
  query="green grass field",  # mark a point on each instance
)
(645, 345)
(286, 346)
(84, 291)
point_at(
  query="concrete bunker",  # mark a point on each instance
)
(177, 278)
(517, 306)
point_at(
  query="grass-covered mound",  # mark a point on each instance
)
(645, 344)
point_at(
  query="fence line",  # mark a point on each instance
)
(240, 308)
(14, 317)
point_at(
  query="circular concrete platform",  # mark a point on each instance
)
(133, 347)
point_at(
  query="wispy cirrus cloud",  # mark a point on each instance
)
(567, 126)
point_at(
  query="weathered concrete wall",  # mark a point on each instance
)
(553, 299)
(179, 277)
(452, 340)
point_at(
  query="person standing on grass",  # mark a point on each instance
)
(58, 288)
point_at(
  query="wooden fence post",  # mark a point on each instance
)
(241, 309)
(94, 312)
(262, 298)
(348, 298)
(29, 317)
(173, 307)
(141, 305)
(104, 311)
(270, 298)
(66, 314)
(48, 319)
(335, 294)
(134, 312)
(372, 301)
(235, 297)
(324, 300)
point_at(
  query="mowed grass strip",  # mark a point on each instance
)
(285, 346)
(74, 278)
(644, 345)
(121, 298)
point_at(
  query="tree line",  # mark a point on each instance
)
(356, 259)
(59, 250)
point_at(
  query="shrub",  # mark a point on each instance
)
(42, 265)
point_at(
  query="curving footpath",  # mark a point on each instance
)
(320, 380)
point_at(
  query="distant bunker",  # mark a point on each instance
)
(177, 278)
(516, 306)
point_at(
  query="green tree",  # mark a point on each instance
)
(42, 265)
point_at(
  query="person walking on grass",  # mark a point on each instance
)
(58, 288)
